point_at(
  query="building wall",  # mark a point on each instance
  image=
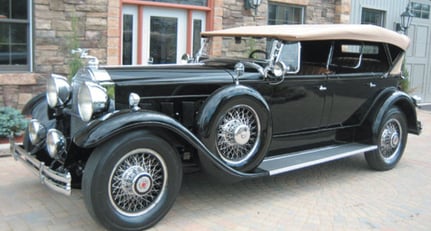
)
(418, 59)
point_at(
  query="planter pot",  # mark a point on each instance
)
(5, 140)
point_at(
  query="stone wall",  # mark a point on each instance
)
(54, 32)
(16, 89)
(53, 35)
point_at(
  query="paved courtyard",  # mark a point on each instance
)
(341, 195)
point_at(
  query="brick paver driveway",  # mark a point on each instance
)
(341, 195)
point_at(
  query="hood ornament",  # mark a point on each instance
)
(92, 63)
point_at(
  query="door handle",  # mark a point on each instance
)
(372, 84)
(322, 88)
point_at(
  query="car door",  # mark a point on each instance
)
(358, 76)
(297, 103)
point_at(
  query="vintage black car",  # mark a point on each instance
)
(253, 102)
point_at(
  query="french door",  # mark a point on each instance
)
(156, 35)
(164, 35)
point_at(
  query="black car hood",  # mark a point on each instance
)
(168, 74)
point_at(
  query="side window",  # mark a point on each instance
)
(314, 57)
(354, 57)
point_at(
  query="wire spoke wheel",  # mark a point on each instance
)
(137, 182)
(390, 139)
(238, 135)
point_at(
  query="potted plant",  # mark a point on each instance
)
(12, 123)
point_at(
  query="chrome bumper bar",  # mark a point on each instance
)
(57, 181)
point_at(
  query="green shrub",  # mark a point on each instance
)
(12, 122)
(405, 83)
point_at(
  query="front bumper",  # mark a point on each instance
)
(57, 181)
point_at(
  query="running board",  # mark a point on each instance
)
(292, 161)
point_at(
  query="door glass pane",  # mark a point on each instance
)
(127, 39)
(163, 40)
(197, 29)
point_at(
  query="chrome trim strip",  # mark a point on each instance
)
(56, 181)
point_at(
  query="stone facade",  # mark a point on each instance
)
(94, 24)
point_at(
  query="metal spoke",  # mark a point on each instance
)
(137, 182)
(238, 135)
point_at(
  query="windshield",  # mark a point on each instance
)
(236, 48)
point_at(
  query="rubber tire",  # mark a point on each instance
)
(98, 170)
(263, 115)
(374, 158)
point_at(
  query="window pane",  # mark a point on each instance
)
(19, 55)
(18, 33)
(163, 40)
(4, 33)
(4, 9)
(285, 14)
(420, 10)
(197, 29)
(374, 17)
(19, 9)
(4, 55)
(127, 39)
(13, 43)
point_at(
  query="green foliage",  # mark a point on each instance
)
(404, 83)
(75, 63)
(12, 122)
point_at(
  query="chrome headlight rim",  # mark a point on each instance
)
(36, 131)
(55, 143)
(58, 91)
(92, 99)
(279, 69)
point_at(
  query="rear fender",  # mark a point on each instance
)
(394, 98)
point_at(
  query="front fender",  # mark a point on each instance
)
(107, 127)
(220, 97)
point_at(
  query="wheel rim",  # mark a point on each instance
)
(137, 182)
(390, 140)
(238, 135)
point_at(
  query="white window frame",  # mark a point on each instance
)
(131, 10)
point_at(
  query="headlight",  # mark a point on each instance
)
(58, 91)
(92, 98)
(36, 131)
(279, 69)
(55, 143)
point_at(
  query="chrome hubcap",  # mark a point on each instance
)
(238, 135)
(137, 182)
(391, 139)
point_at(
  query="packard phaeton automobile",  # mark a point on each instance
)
(253, 102)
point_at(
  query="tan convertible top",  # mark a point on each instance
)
(307, 32)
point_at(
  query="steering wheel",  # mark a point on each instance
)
(251, 56)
